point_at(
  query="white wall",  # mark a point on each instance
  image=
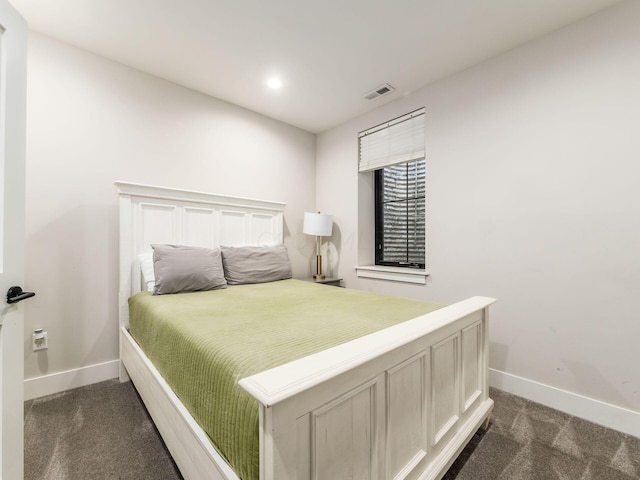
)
(532, 191)
(92, 122)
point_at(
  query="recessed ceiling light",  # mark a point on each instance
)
(274, 83)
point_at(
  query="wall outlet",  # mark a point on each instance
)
(39, 340)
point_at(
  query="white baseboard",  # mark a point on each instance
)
(602, 413)
(595, 411)
(78, 377)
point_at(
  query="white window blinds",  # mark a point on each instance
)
(397, 141)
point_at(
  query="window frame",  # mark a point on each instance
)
(395, 141)
(379, 205)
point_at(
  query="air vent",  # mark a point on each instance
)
(378, 92)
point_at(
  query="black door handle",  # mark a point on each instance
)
(15, 294)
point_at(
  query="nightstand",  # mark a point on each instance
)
(334, 282)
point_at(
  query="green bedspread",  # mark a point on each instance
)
(202, 343)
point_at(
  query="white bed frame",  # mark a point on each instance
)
(401, 403)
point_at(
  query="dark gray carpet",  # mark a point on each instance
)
(528, 441)
(100, 431)
(103, 431)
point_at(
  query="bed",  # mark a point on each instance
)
(398, 403)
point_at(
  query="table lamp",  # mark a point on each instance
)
(318, 224)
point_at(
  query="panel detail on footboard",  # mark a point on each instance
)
(445, 386)
(406, 415)
(472, 365)
(343, 434)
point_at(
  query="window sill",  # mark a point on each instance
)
(393, 274)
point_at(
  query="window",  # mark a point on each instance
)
(400, 215)
(395, 151)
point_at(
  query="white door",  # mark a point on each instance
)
(13, 93)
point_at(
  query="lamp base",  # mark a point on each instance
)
(318, 275)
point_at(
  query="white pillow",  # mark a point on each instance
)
(146, 267)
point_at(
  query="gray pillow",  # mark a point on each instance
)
(180, 268)
(255, 264)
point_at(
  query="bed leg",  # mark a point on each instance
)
(485, 425)
(124, 375)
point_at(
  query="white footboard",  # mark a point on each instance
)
(398, 404)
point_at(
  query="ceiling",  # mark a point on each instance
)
(328, 54)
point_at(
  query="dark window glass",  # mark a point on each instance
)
(401, 215)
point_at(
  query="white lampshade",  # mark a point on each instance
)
(318, 224)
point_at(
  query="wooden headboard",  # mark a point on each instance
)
(151, 214)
